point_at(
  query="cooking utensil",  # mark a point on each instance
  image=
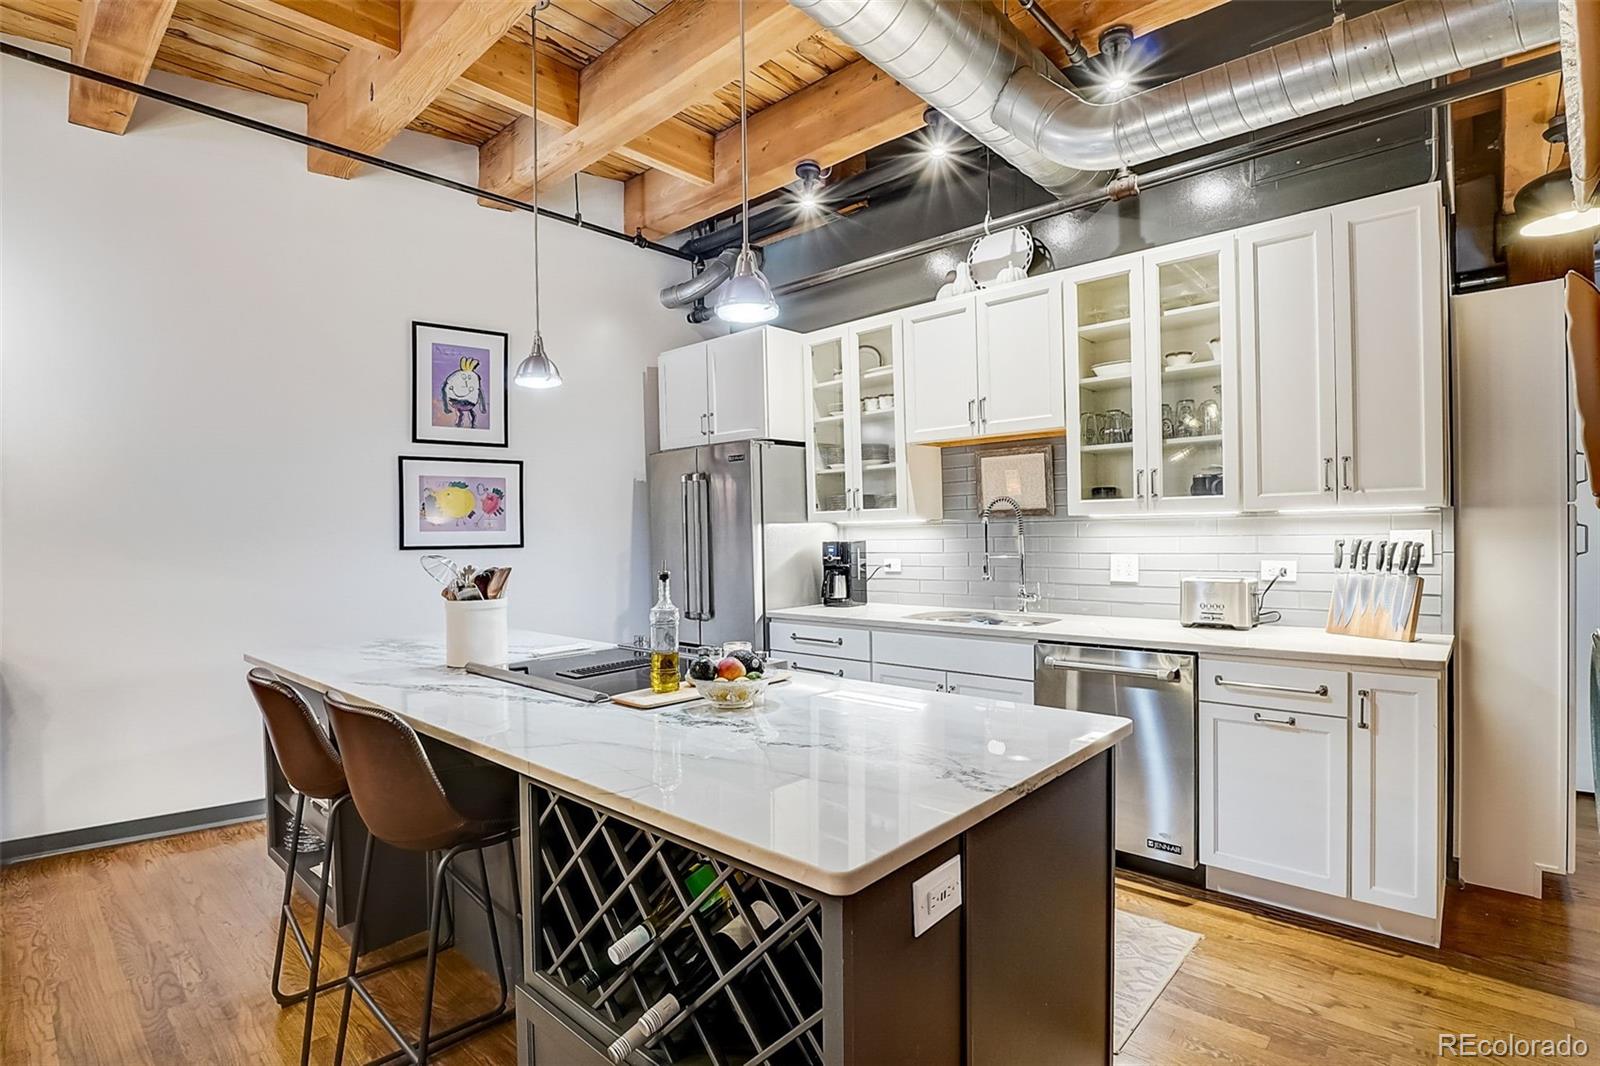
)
(1338, 553)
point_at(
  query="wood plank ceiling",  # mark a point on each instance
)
(632, 90)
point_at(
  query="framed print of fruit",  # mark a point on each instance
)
(458, 385)
(460, 503)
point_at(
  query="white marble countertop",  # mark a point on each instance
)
(1430, 653)
(831, 783)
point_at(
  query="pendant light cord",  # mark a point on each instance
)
(744, 138)
(534, 119)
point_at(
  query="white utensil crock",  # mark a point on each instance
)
(475, 632)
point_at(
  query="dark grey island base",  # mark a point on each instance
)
(1018, 975)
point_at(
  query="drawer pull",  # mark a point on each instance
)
(1361, 712)
(832, 642)
(815, 670)
(1258, 716)
(1320, 690)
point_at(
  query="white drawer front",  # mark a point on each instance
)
(909, 677)
(836, 642)
(1312, 689)
(989, 688)
(822, 664)
(989, 658)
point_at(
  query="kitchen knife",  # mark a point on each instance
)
(1416, 561)
(1366, 554)
(1355, 553)
(1338, 553)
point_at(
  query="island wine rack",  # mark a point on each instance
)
(592, 877)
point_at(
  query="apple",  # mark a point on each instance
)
(730, 669)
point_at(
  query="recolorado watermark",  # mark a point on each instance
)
(1473, 1046)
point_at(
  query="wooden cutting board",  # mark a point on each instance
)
(646, 700)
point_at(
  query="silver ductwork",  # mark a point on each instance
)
(956, 56)
(703, 284)
(968, 61)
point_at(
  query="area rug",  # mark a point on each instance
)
(1149, 953)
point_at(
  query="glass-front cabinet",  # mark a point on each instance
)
(1106, 393)
(858, 465)
(1152, 340)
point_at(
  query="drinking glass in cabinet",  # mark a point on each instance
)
(1169, 422)
(1188, 421)
(1119, 427)
(1091, 428)
(1211, 413)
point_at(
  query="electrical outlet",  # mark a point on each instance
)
(891, 566)
(1421, 536)
(1124, 569)
(1287, 571)
(935, 894)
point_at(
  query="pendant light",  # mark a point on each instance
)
(538, 370)
(745, 298)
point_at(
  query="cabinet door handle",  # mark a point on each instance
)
(1155, 491)
(1361, 707)
(815, 670)
(972, 416)
(1258, 716)
(938, 688)
(1259, 686)
(1138, 484)
(1327, 474)
(1584, 528)
(832, 642)
(1344, 474)
(983, 413)
(951, 688)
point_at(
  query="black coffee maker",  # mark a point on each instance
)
(844, 573)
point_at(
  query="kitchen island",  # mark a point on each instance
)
(823, 806)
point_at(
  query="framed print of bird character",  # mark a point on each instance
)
(458, 385)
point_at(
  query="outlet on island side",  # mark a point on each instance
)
(935, 894)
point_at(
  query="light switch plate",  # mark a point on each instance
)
(935, 894)
(1124, 569)
(1422, 536)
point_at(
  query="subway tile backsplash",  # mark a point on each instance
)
(1070, 558)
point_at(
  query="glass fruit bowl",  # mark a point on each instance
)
(735, 695)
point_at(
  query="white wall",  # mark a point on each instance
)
(206, 367)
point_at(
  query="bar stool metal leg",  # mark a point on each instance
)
(284, 914)
(355, 951)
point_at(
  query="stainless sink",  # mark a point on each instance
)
(985, 618)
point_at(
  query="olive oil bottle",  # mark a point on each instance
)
(664, 675)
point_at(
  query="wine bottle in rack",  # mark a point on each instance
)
(666, 908)
(696, 974)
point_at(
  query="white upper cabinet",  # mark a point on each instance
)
(681, 396)
(1107, 398)
(1151, 391)
(941, 390)
(857, 461)
(1286, 363)
(738, 387)
(1342, 357)
(1396, 819)
(1019, 358)
(1388, 297)
(986, 364)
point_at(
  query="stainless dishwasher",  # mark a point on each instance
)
(1156, 766)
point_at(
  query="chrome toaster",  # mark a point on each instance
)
(1222, 602)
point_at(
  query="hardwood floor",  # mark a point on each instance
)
(158, 952)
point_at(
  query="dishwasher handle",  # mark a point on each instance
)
(1173, 674)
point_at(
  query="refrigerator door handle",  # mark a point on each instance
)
(690, 561)
(701, 504)
(1581, 526)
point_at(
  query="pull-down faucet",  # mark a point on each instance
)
(1025, 598)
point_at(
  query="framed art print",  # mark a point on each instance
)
(458, 385)
(460, 503)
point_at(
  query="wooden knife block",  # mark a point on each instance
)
(1374, 604)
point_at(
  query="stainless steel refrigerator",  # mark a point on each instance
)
(728, 521)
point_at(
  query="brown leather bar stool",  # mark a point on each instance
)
(313, 769)
(404, 804)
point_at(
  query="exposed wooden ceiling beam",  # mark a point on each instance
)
(848, 112)
(372, 97)
(686, 52)
(1525, 109)
(118, 37)
(368, 24)
(675, 148)
(844, 114)
(500, 77)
